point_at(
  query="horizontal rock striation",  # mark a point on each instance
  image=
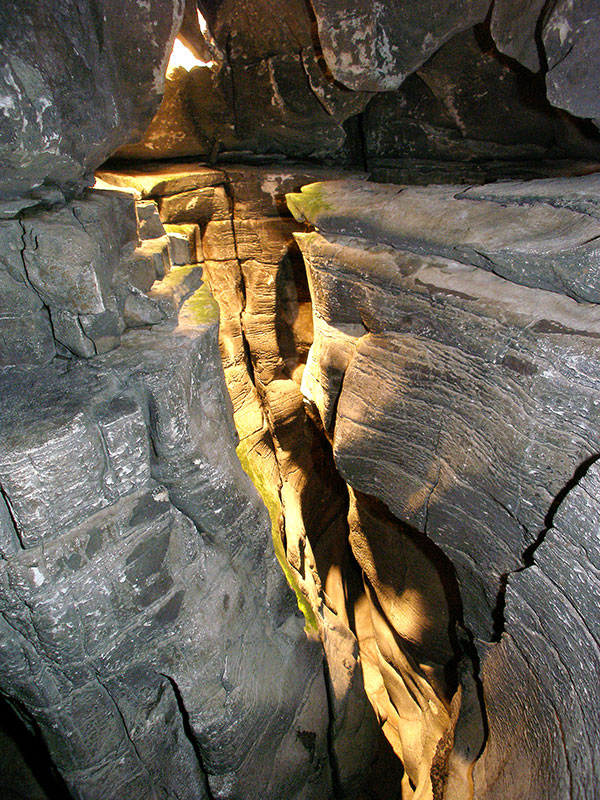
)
(549, 245)
(148, 635)
(458, 382)
(137, 631)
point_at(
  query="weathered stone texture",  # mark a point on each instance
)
(548, 660)
(75, 276)
(165, 673)
(255, 271)
(468, 403)
(78, 80)
(570, 33)
(162, 180)
(513, 25)
(25, 329)
(470, 104)
(548, 248)
(374, 47)
(58, 277)
(272, 92)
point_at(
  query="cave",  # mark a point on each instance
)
(297, 439)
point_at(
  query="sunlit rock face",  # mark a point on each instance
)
(483, 436)
(148, 632)
(257, 276)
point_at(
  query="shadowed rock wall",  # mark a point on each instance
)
(78, 80)
(409, 95)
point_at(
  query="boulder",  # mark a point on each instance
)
(513, 25)
(374, 47)
(72, 259)
(78, 81)
(468, 103)
(569, 33)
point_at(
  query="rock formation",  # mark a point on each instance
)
(491, 387)
(146, 632)
(60, 60)
(298, 451)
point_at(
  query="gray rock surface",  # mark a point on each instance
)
(468, 103)
(374, 47)
(580, 194)
(513, 25)
(468, 404)
(552, 248)
(272, 92)
(548, 660)
(569, 33)
(59, 276)
(25, 329)
(71, 257)
(74, 277)
(78, 80)
(164, 674)
(255, 271)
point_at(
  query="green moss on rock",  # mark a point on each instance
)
(270, 497)
(199, 309)
(308, 203)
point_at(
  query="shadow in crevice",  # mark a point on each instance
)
(411, 574)
(27, 771)
(422, 649)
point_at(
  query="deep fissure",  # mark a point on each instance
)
(290, 342)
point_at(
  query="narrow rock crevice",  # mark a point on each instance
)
(187, 728)
(528, 555)
(5, 500)
(338, 793)
(106, 691)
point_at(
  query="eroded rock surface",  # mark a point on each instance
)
(149, 634)
(139, 546)
(78, 80)
(271, 92)
(548, 246)
(449, 393)
(468, 104)
(375, 47)
(257, 276)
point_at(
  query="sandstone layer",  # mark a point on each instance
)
(457, 379)
(150, 639)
